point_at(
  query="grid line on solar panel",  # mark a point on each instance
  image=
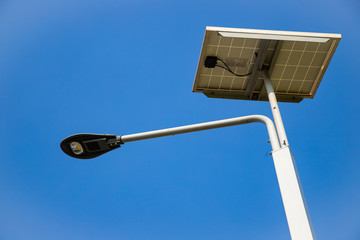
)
(331, 46)
(234, 47)
(217, 48)
(307, 72)
(294, 65)
(289, 79)
(240, 54)
(222, 76)
(287, 50)
(287, 60)
(297, 67)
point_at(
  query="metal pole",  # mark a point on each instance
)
(292, 194)
(205, 126)
(275, 111)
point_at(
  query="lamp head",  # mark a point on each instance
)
(86, 145)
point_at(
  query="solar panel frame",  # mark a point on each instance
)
(241, 52)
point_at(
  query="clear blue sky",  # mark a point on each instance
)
(122, 67)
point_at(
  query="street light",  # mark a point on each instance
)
(248, 64)
(86, 146)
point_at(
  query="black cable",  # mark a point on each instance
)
(227, 68)
(226, 65)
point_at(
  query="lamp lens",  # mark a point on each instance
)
(76, 148)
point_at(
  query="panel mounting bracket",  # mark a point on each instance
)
(259, 62)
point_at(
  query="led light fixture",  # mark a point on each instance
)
(86, 146)
(77, 148)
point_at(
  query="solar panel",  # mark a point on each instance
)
(295, 62)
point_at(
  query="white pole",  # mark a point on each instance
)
(292, 195)
(275, 111)
(206, 126)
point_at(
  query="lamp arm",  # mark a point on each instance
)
(206, 126)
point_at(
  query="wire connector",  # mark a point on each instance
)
(210, 61)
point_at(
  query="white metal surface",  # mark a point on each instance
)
(273, 32)
(296, 211)
(280, 37)
(206, 126)
(275, 111)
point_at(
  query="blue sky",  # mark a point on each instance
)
(123, 67)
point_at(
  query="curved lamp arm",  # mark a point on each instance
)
(206, 126)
